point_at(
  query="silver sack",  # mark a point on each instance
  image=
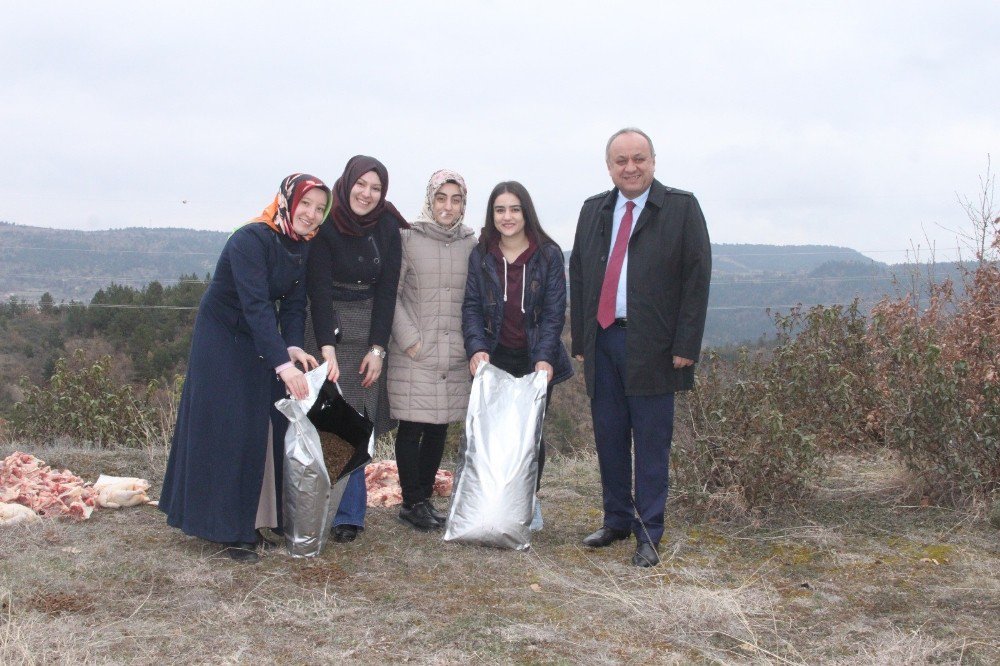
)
(493, 499)
(308, 496)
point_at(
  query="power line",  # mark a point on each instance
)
(832, 278)
(113, 278)
(126, 306)
(774, 307)
(743, 255)
(106, 250)
(848, 251)
(785, 279)
(140, 307)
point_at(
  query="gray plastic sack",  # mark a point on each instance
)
(308, 495)
(494, 494)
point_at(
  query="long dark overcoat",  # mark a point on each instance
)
(667, 281)
(216, 467)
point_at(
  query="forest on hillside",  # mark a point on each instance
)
(750, 282)
(132, 293)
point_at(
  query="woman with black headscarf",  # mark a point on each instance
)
(352, 279)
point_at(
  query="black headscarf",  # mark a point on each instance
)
(346, 220)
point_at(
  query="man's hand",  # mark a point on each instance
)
(680, 362)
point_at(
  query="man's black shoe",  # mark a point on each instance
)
(242, 552)
(605, 537)
(645, 555)
(345, 533)
(419, 517)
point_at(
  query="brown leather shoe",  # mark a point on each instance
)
(645, 555)
(605, 537)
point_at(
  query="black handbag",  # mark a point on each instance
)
(333, 414)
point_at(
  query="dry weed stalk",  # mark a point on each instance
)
(676, 602)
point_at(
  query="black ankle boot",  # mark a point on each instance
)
(439, 516)
(419, 517)
(242, 552)
(345, 533)
(264, 542)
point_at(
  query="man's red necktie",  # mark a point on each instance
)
(609, 290)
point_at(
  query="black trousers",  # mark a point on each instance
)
(518, 363)
(419, 447)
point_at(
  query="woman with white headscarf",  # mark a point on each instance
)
(428, 375)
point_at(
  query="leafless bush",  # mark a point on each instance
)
(937, 373)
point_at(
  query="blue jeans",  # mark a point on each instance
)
(354, 503)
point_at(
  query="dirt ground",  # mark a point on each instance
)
(851, 576)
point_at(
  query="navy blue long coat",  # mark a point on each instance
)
(216, 467)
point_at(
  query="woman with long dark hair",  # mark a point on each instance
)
(515, 297)
(353, 274)
(220, 482)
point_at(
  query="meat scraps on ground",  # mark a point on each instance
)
(382, 480)
(29, 482)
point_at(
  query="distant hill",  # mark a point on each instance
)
(748, 259)
(73, 265)
(746, 279)
(742, 259)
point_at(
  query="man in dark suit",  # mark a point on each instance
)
(639, 278)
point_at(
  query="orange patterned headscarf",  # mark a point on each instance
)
(278, 215)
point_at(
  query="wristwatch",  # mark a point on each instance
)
(378, 351)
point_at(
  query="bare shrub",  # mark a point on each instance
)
(822, 374)
(89, 402)
(738, 441)
(938, 374)
(921, 375)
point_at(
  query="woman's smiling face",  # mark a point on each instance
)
(366, 193)
(308, 214)
(508, 217)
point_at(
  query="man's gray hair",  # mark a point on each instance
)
(628, 130)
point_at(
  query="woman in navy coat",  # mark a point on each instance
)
(248, 334)
(515, 297)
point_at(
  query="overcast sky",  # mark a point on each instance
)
(843, 123)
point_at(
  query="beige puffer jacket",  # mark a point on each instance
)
(433, 387)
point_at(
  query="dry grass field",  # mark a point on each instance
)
(852, 576)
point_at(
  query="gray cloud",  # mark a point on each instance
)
(838, 122)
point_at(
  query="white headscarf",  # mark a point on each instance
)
(437, 181)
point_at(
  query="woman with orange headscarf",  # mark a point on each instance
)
(220, 480)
